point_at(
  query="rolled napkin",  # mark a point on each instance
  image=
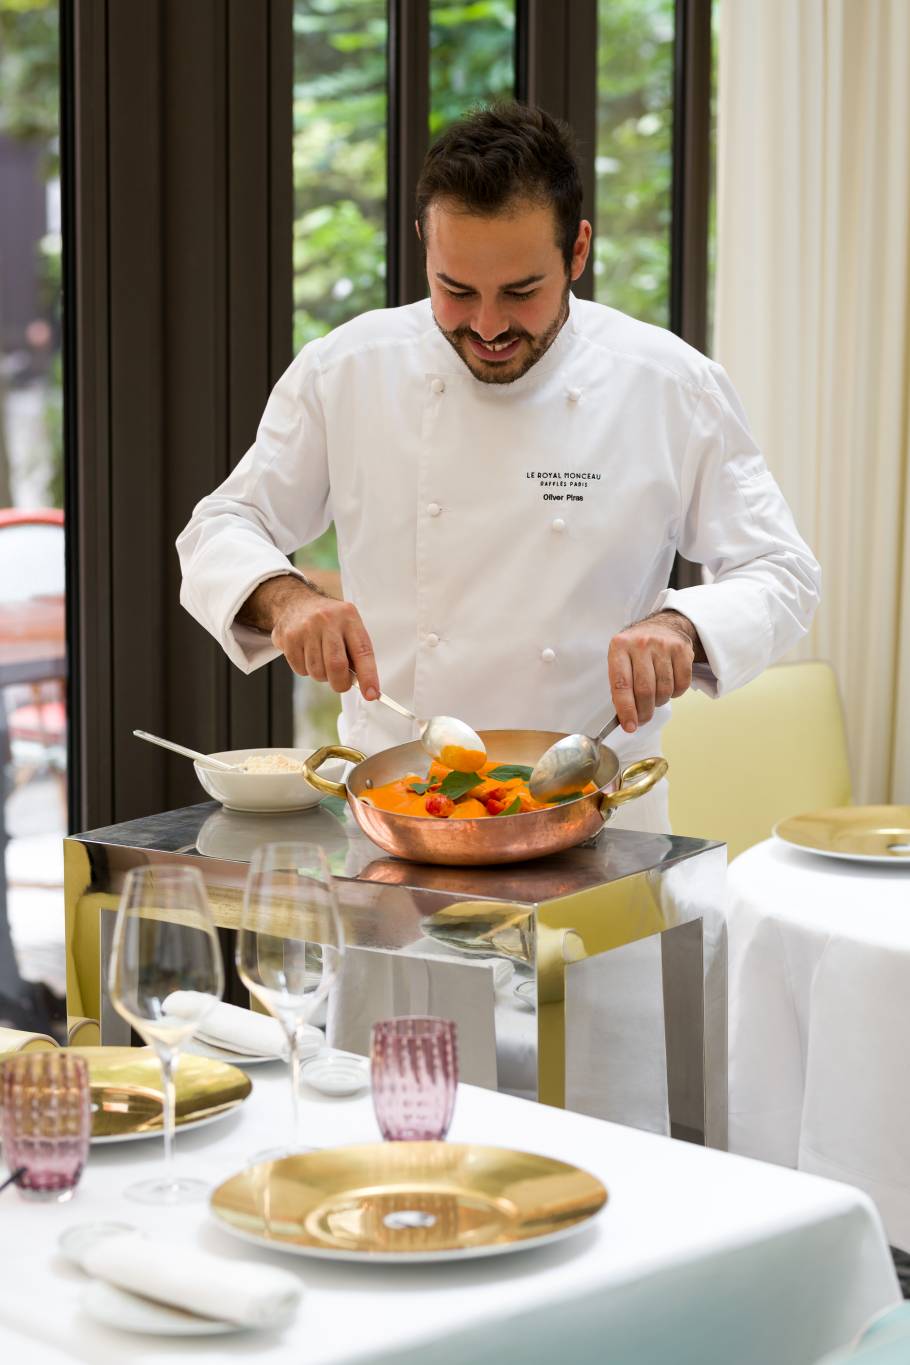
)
(236, 1029)
(169, 1272)
(16, 1040)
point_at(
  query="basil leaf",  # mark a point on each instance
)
(569, 796)
(456, 784)
(506, 771)
(514, 809)
(420, 788)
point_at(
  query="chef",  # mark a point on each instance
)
(511, 471)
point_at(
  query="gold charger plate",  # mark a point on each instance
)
(866, 834)
(127, 1097)
(408, 1201)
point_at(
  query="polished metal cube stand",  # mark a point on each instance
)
(593, 980)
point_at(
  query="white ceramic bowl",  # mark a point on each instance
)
(264, 791)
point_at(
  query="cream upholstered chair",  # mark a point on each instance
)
(773, 748)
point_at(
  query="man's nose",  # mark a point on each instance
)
(489, 321)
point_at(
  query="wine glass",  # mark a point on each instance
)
(290, 945)
(165, 940)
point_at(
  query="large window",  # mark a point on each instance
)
(33, 814)
(341, 111)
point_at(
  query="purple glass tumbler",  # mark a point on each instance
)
(46, 1122)
(415, 1077)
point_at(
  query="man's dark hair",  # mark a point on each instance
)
(494, 157)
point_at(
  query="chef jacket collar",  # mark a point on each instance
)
(452, 367)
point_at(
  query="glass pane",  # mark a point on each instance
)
(339, 162)
(340, 105)
(634, 157)
(33, 815)
(472, 57)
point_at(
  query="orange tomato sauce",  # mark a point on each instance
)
(490, 797)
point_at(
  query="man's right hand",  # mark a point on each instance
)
(321, 637)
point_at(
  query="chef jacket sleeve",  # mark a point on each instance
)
(765, 581)
(274, 501)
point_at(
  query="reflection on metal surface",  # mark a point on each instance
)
(875, 833)
(488, 928)
(408, 1199)
(127, 1094)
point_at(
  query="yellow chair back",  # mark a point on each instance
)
(773, 748)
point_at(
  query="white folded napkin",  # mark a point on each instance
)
(229, 1291)
(233, 1028)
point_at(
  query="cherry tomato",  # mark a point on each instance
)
(441, 806)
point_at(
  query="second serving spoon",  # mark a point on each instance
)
(568, 765)
(449, 740)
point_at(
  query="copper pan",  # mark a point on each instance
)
(500, 839)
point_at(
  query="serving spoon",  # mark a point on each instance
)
(189, 753)
(451, 741)
(568, 765)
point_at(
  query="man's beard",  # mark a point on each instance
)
(493, 372)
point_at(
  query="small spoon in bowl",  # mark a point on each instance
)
(189, 753)
(568, 765)
(451, 741)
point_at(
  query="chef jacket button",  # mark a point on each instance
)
(438, 386)
(558, 524)
(573, 395)
(432, 640)
(434, 509)
(548, 655)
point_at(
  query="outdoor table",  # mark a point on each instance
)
(699, 1258)
(820, 1018)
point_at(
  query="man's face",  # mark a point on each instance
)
(499, 285)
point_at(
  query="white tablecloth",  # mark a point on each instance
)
(699, 1258)
(820, 1020)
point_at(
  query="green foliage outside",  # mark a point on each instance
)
(634, 156)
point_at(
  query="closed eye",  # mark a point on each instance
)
(510, 293)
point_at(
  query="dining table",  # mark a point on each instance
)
(819, 998)
(698, 1257)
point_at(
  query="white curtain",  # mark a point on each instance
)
(813, 322)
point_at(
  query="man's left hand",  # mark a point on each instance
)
(650, 662)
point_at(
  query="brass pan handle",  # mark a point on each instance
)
(649, 771)
(324, 784)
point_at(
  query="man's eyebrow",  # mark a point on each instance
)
(515, 284)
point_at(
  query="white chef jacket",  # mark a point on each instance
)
(496, 537)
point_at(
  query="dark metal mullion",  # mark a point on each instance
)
(691, 172)
(281, 278)
(690, 195)
(556, 70)
(70, 412)
(408, 138)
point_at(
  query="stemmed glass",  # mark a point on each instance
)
(164, 941)
(290, 945)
